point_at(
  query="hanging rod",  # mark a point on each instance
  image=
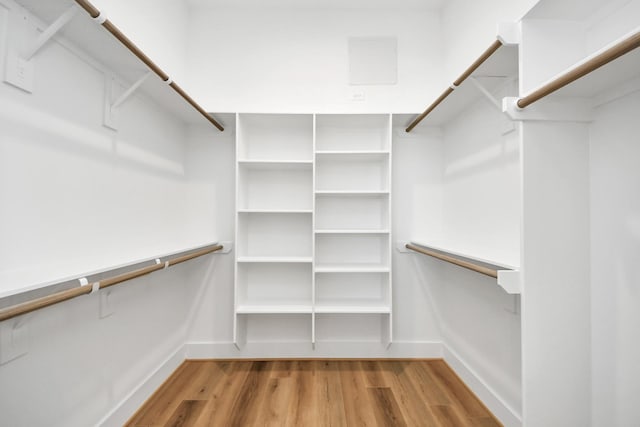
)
(473, 67)
(483, 268)
(67, 294)
(108, 25)
(614, 52)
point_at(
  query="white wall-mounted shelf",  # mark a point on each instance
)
(352, 309)
(605, 79)
(273, 259)
(348, 193)
(352, 268)
(351, 231)
(351, 152)
(507, 277)
(274, 309)
(275, 211)
(104, 50)
(275, 164)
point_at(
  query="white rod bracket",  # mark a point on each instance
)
(510, 281)
(100, 19)
(401, 246)
(130, 91)
(509, 33)
(551, 110)
(51, 31)
(227, 247)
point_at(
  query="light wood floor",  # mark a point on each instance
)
(313, 393)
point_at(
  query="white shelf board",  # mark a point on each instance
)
(615, 73)
(283, 260)
(91, 38)
(493, 73)
(275, 164)
(351, 231)
(570, 10)
(273, 308)
(351, 268)
(453, 250)
(348, 193)
(275, 211)
(351, 309)
(352, 152)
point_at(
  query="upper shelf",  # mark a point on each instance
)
(570, 10)
(113, 50)
(497, 64)
(595, 74)
(507, 276)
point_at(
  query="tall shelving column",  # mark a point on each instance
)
(274, 208)
(352, 220)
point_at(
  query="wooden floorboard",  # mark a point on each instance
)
(314, 393)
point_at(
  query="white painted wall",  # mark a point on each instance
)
(158, 27)
(211, 328)
(615, 245)
(264, 59)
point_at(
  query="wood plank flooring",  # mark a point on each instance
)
(301, 393)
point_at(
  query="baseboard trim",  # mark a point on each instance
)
(500, 409)
(304, 350)
(119, 415)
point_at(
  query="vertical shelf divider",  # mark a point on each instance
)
(390, 228)
(313, 240)
(236, 340)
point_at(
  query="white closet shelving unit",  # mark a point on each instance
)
(274, 202)
(352, 219)
(313, 219)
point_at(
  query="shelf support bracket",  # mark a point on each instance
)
(110, 118)
(51, 31)
(483, 90)
(130, 91)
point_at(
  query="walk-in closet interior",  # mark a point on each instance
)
(407, 212)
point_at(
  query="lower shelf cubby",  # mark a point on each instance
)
(274, 235)
(274, 288)
(352, 293)
(273, 328)
(355, 212)
(353, 328)
(352, 252)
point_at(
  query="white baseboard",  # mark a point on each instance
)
(333, 349)
(119, 415)
(506, 414)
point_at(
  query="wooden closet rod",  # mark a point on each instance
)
(108, 25)
(38, 303)
(616, 51)
(454, 260)
(473, 67)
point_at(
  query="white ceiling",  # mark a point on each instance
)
(373, 4)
